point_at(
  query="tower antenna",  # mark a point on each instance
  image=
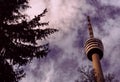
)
(90, 28)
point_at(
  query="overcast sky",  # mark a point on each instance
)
(67, 45)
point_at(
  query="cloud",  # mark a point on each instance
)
(111, 41)
(67, 45)
(111, 2)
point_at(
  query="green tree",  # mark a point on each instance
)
(18, 38)
(87, 75)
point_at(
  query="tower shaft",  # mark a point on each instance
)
(97, 68)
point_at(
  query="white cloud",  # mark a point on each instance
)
(68, 16)
(111, 2)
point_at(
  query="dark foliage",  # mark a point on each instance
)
(87, 75)
(18, 37)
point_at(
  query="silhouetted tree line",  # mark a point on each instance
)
(87, 75)
(18, 37)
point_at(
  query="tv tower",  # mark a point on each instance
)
(94, 52)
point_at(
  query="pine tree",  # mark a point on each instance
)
(18, 38)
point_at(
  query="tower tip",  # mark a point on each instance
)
(90, 27)
(88, 17)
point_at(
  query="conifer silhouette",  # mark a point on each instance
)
(18, 37)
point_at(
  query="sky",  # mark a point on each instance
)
(67, 46)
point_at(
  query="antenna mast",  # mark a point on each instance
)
(90, 28)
